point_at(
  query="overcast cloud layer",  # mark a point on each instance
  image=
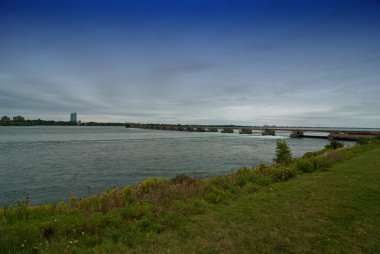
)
(309, 63)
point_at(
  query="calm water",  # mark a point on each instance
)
(52, 163)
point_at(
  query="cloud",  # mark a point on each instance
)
(235, 63)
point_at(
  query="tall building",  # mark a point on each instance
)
(73, 118)
(18, 119)
(5, 119)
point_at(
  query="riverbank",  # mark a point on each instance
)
(252, 210)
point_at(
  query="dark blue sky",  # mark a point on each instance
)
(313, 63)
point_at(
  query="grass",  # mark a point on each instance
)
(334, 209)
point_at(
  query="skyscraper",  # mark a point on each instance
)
(73, 118)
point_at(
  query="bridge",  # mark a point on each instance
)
(295, 132)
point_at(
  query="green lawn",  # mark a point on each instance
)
(337, 211)
(327, 211)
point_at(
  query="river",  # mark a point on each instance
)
(51, 163)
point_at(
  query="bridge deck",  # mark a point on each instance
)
(297, 132)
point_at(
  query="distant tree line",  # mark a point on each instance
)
(34, 122)
(39, 122)
(101, 124)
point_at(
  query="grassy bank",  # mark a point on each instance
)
(331, 205)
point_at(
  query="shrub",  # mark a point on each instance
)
(191, 206)
(262, 169)
(334, 144)
(149, 224)
(221, 182)
(150, 184)
(61, 206)
(304, 166)
(363, 141)
(283, 153)
(73, 200)
(128, 192)
(215, 196)
(111, 199)
(263, 180)
(245, 176)
(320, 163)
(251, 188)
(282, 174)
(137, 211)
(181, 179)
(333, 156)
(22, 211)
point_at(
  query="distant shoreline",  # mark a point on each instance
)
(39, 122)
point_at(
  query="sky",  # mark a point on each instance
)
(276, 62)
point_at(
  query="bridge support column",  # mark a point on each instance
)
(228, 130)
(245, 131)
(297, 134)
(268, 132)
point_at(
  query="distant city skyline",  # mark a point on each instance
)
(290, 62)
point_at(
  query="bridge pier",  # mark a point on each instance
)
(297, 134)
(200, 129)
(227, 130)
(245, 131)
(268, 132)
